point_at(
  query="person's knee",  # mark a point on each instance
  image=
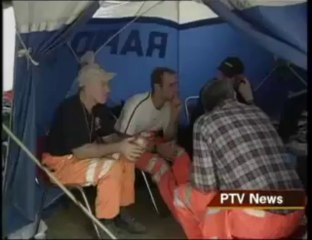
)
(161, 169)
(116, 172)
(180, 195)
(154, 163)
(128, 171)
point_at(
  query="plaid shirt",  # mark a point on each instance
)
(236, 147)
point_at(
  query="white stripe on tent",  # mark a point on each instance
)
(51, 15)
(243, 4)
(177, 11)
(32, 16)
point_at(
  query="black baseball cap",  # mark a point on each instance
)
(231, 66)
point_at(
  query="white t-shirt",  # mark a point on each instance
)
(139, 114)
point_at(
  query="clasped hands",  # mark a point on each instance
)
(133, 148)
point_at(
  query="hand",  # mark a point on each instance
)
(150, 146)
(130, 150)
(148, 135)
(245, 90)
(241, 78)
(167, 150)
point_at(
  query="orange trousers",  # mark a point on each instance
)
(201, 222)
(114, 180)
(166, 177)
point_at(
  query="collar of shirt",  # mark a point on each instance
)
(228, 103)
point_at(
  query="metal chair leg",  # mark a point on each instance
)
(150, 192)
(41, 207)
(89, 208)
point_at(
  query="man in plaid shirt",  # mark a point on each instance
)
(235, 147)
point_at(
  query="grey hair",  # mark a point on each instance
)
(215, 92)
(91, 71)
(87, 58)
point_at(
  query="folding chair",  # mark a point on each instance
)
(4, 148)
(189, 104)
(44, 180)
(148, 186)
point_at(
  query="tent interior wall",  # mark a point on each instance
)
(151, 42)
(193, 48)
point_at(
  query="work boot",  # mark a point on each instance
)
(111, 226)
(125, 221)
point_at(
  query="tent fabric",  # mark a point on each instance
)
(192, 42)
(38, 16)
(279, 26)
(176, 11)
(22, 193)
(151, 42)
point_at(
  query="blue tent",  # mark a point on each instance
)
(131, 38)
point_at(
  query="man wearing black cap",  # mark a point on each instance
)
(231, 69)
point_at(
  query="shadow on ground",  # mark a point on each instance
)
(72, 223)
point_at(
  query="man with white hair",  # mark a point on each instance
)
(84, 149)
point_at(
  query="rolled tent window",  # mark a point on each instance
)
(8, 26)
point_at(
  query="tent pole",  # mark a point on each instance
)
(297, 75)
(297, 94)
(73, 52)
(128, 24)
(266, 78)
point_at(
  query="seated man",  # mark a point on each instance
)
(232, 70)
(154, 112)
(79, 154)
(235, 147)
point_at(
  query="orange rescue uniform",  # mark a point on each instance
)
(114, 180)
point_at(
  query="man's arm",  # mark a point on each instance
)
(170, 132)
(245, 90)
(203, 173)
(113, 138)
(94, 150)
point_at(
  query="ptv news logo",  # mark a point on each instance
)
(260, 199)
(250, 198)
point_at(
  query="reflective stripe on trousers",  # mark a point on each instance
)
(163, 169)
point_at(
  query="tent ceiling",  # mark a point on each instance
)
(51, 15)
(46, 15)
(177, 11)
(240, 5)
(6, 4)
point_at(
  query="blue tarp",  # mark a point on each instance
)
(194, 50)
(38, 90)
(282, 29)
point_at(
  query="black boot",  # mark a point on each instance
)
(111, 226)
(126, 222)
